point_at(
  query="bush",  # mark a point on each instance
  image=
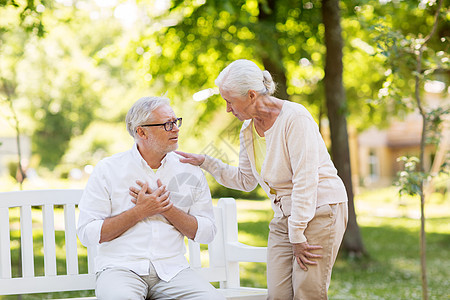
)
(12, 168)
(219, 191)
(441, 184)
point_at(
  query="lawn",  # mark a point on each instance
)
(390, 230)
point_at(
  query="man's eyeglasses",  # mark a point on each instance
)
(168, 126)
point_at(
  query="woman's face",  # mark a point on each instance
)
(238, 105)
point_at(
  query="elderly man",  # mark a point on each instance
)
(138, 206)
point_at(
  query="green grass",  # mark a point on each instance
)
(390, 231)
(392, 271)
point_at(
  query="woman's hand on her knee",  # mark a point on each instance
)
(303, 254)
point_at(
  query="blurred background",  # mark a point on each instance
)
(71, 69)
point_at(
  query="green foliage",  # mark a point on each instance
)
(30, 14)
(218, 191)
(441, 181)
(99, 140)
(12, 169)
(410, 180)
(189, 55)
(59, 81)
(86, 66)
(400, 44)
(434, 122)
(390, 42)
(64, 104)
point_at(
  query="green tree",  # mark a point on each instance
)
(63, 87)
(285, 37)
(415, 57)
(28, 16)
(59, 78)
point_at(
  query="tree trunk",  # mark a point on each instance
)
(421, 170)
(336, 106)
(279, 77)
(423, 243)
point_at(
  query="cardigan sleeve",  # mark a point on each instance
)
(238, 178)
(303, 148)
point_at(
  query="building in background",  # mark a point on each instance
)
(378, 149)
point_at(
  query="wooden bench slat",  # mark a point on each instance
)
(230, 232)
(40, 197)
(5, 244)
(47, 284)
(49, 239)
(26, 239)
(216, 249)
(71, 239)
(241, 252)
(92, 252)
(194, 254)
(244, 293)
(212, 274)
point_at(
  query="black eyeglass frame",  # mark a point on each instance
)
(168, 126)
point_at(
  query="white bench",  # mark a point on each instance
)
(225, 252)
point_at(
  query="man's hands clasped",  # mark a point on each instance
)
(150, 202)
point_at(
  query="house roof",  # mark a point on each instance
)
(406, 133)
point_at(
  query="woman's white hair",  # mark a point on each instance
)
(141, 112)
(243, 75)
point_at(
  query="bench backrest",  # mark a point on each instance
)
(223, 262)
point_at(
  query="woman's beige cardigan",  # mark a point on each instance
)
(297, 167)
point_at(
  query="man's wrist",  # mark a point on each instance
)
(137, 213)
(168, 212)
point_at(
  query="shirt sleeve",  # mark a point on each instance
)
(202, 210)
(95, 207)
(238, 178)
(303, 148)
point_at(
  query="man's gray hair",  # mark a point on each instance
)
(243, 75)
(141, 112)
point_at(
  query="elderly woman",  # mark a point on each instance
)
(281, 149)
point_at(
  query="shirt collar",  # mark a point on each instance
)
(138, 157)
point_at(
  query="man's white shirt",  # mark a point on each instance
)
(153, 239)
